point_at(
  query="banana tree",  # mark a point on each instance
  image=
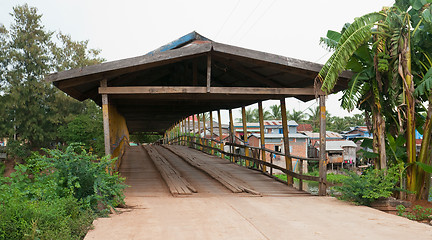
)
(389, 83)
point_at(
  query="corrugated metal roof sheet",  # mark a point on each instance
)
(339, 145)
(329, 134)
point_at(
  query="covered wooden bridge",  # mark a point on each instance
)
(192, 75)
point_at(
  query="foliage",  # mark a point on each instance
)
(143, 137)
(31, 110)
(59, 218)
(17, 149)
(252, 115)
(371, 185)
(56, 195)
(418, 213)
(80, 174)
(85, 128)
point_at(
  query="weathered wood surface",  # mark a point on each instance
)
(226, 179)
(201, 90)
(175, 182)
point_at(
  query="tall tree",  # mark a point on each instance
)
(32, 110)
(297, 116)
(275, 111)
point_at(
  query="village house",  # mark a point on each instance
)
(340, 153)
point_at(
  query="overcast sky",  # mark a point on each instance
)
(128, 28)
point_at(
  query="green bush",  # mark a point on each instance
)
(61, 218)
(371, 185)
(56, 195)
(81, 174)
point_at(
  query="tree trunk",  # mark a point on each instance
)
(412, 171)
(379, 140)
(422, 187)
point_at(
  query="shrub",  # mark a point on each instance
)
(56, 196)
(418, 213)
(364, 189)
(61, 218)
(81, 174)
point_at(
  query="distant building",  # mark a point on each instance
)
(340, 152)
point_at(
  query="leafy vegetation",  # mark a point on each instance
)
(371, 185)
(57, 195)
(418, 213)
(31, 110)
(389, 53)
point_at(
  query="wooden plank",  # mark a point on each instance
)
(229, 181)
(176, 184)
(201, 90)
(288, 160)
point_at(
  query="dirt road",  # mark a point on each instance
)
(215, 213)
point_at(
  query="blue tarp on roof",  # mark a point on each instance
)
(188, 38)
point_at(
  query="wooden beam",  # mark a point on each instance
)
(105, 116)
(322, 191)
(288, 160)
(214, 90)
(262, 136)
(208, 72)
(220, 133)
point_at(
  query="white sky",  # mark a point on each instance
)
(128, 28)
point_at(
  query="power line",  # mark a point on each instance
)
(229, 16)
(262, 15)
(244, 22)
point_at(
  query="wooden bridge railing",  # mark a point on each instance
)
(212, 146)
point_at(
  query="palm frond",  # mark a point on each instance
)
(354, 36)
(425, 85)
(352, 94)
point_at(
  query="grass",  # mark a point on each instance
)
(331, 177)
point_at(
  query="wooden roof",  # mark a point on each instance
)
(155, 90)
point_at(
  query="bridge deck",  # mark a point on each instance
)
(214, 212)
(145, 179)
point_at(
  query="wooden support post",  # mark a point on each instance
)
(245, 139)
(211, 131)
(204, 130)
(105, 115)
(193, 125)
(188, 130)
(288, 160)
(262, 136)
(199, 130)
(208, 72)
(301, 173)
(322, 191)
(232, 134)
(220, 133)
